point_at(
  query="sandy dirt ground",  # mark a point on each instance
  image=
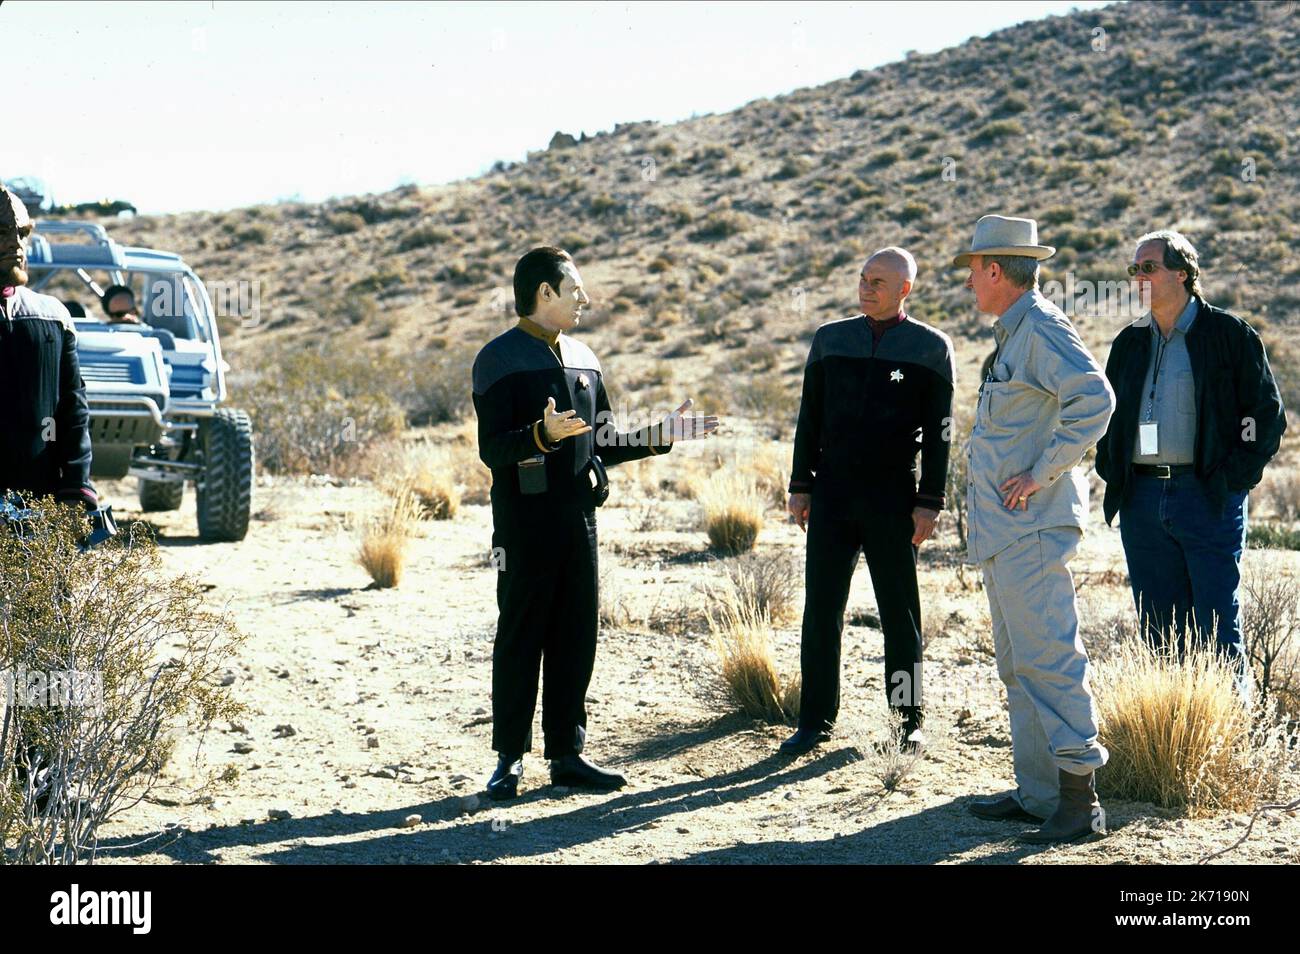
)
(368, 708)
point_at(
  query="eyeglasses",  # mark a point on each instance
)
(1146, 268)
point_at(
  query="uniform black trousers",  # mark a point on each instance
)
(547, 583)
(836, 535)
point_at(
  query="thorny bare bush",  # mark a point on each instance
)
(109, 660)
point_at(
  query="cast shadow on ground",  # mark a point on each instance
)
(489, 834)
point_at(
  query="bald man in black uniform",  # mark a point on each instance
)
(537, 394)
(877, 389)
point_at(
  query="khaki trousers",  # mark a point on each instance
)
(1043, 664)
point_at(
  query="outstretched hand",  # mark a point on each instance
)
(563, 424)
(677, 426)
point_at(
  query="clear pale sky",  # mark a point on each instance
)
(214, 105)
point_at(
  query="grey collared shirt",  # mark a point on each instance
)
(1173, 408)
(1045, 403)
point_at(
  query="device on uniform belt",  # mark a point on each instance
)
(600, 489)
(532, 475)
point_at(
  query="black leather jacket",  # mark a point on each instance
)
(44, 419)
(1239, 415)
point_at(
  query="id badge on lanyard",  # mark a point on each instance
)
(1148, 438)
(1149, 430)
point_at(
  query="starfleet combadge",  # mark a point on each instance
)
(583, 383)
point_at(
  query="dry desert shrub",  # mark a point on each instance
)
(1271, 632)
(742, 641)
(1179, 736)
(385, 537)
(615, 607)
(882, 749)
(315, 410)
(111, 661)
(318, 409)
(472, 476)
(1282, 491)
(732, 512)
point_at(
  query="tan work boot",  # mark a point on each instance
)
(1078, 813)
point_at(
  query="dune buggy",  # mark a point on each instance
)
(155, 388)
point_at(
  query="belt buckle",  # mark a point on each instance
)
(1163, 472)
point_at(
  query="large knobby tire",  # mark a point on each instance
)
(224, 490)
(158, 495)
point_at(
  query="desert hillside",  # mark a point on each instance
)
(714, 247)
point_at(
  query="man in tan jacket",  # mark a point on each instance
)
(1043, 403)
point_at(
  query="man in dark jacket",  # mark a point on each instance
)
(45, 426)
(44, 419)
(1198, 418)
(877, 388)
(536, 390)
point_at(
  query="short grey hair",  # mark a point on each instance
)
(1180, 256)
(1021, 270)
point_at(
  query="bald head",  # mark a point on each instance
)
(886, 281)
(899, 259)
(15, 226)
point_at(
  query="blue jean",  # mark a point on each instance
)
(1184, 561)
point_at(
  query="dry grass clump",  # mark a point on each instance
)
(742, 639)
(769, 581)
(427, 472)
(441, 469)
(1179, 736)
(732, 511)
(771, 467)
(385, 536)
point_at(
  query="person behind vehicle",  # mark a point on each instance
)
(119, 305)
(45, 429)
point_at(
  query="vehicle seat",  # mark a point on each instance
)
(165, 338)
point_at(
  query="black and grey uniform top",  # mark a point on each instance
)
(44, 418)
(868, 406)
(513, 376)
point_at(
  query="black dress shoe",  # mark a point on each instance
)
(1005, 808)
(804, 740)
(576, 772)
(504, 783)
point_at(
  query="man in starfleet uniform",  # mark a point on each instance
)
(877, 388)
(45, 424)
(536, 393)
